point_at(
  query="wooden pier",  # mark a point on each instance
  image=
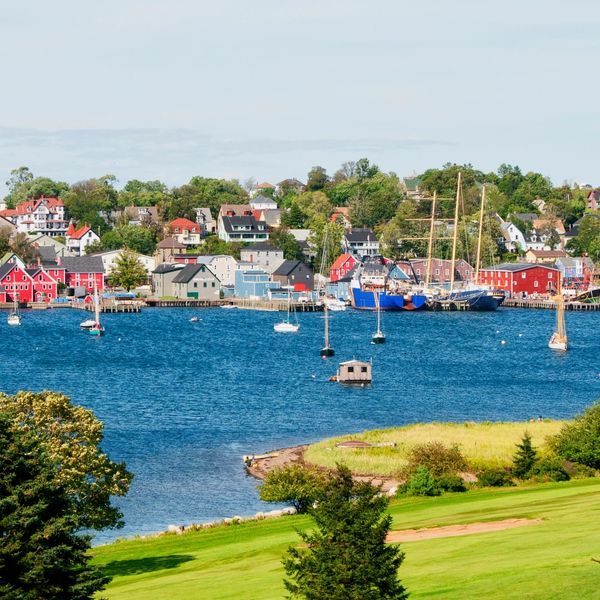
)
(549, 304)
(187, 303)
(274, 305)
(110, 307)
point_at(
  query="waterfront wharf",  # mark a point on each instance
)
(183, 303)
(110, 307)
(274, 305)
(549, 304)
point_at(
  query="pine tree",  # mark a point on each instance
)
(41, 555)
(524, 457)
(346, 557)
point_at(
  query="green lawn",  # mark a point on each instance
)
(482, 444)
(549, 560)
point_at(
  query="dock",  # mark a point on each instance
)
(110, 307)
(549, 304)
(274, 305)
(187, 303)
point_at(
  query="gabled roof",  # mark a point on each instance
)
(287, 266)
(168, 267)
(261, 247)
(515, 267)
(170, 242)
(6, 268)
(360, 235)
(83, 264)
(47, 253)
(77, 234)
(260, 199)
(229, 223)
(341, 260)
(184, 224)
(547, 253)
(264, 185)
(237, 209)
(189, 271)
(30, 206)
(525, 216)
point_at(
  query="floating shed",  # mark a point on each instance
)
(355, 372)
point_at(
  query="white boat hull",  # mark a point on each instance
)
(14, 320)
(286, 328)
(558, 343)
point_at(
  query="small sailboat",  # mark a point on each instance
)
(286, 326)
(326, 350)
(378, 336)
(559, 340)
(96, 329)
(14, 318)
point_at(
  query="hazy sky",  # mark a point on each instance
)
(168, 89)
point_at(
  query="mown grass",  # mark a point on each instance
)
(539, 562)
(482, 444)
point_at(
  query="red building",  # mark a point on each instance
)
(3, 295)
(84, 271)
(45, 287)
(17, 282)
(341, 267)
(519, 278)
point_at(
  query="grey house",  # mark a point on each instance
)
(197, 282)
(294, 273)
(162, 279)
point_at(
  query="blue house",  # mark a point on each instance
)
(253, 283)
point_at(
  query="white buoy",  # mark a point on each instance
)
(503, 342)
(497, 331)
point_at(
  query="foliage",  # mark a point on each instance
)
(294, 218)
(4, 241)
(128, 272)
(497, 477)
(143, 193)
(587, 240)
(451, 483)
(579, 440)
(23, 248)
(71, 436)
(346, 557)
(549, 469)
(214, 245)
(437, 458)
(375, 199)
(138, 238)
(87, 200)
(295, 484)
(22, 186)
(326, 237)
(421, 483)
(524, 457)
(316, 179)
(281, 238)
(41, 555)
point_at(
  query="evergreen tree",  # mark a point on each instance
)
(41, 555)
(525, 457)
(129, 272)
(346, 557)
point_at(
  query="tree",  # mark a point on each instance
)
(23, 186)
(71, 436)
(375, 199)
(41, 554)
(88, 200)
(281, 238)
(294, 218)
(143, 193)
(524, 457)
(4, 241)
(138, 238)
(129, 272)
(579, 440)
(335, 233)
(346, 557)
(317, 179)
(23, 248)
(293, 484)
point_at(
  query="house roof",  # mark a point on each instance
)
(83, 264)
(287, 266)
(237, 209)
(264, 185)
(168, 267)
(547, 253)
(204, 215)
(6, 268)
(47, 253)
(357, 234)
(170, 242)
(189, 271)
(249, 221)
(261, 247)
(260, 199)
(77, 234)
(184, 224)
(139, 212)
(30, 206)
(341, 260)
(514, 267)
(525, 216)
(294, 183)
(411, 184)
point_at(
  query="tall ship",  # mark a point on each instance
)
(385, 284)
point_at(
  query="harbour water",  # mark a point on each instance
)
(182, 402)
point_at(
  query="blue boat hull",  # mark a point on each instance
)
(480, 300)
(365, 300)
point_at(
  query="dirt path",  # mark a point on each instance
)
(414, 535)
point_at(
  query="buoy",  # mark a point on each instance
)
(497, 331)
(520, 335)
(503, 342)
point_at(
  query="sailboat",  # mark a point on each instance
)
(326, 350)
(286, 326)
(97, 328)
(14, 318)
(378, 336)
(559, 340)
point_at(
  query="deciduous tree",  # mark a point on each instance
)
(129, 272)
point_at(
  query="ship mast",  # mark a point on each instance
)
(430, 243)
(478, 259)
(455, 236)
(560, 313)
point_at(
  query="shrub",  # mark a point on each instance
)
(295, 484)
(437, 458)
(494, 478)
(451, 483)
(579, 441)
(524, 457)
(421, 483)
(549, 469)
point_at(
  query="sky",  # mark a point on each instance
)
(169, 89)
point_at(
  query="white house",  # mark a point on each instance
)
(242, 229)
(44, 215)
(79, 239)
(109, 260)
(261, 202)
(222, 265)
(185, 231)
(205, 219)
(360, 242)
(514, 240)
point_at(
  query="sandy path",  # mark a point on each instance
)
(414, 535)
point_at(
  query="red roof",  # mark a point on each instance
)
(340, 261)
(79, 233)
(264, 185)
(30, 206)
(185, 224)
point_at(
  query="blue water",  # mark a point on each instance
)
(182, 402)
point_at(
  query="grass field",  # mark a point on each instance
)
(549, 560)
(483, 444)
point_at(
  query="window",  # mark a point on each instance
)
(205, 285)
(523, 275)
(550, 275)
(350, 369)
(363, 369)
(195, 284)
(535, 284)
(213, 284)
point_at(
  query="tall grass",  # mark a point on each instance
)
(483, 444)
